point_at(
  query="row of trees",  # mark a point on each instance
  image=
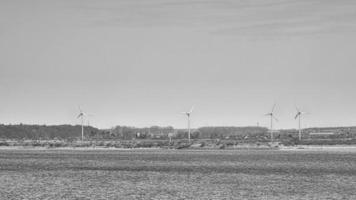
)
(156, 132)
(37, 132)
(323, 132)
(69, 132)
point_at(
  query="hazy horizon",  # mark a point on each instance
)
(142, 63)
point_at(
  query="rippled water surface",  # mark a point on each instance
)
(172, 174)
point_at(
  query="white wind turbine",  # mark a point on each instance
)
(81, 116)
(188, 116)
(272, 118)
(299, 116)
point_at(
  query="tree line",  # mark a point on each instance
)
(44, 132)
(70, 132)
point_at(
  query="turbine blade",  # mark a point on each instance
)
(191, 110)
(296, 116)
(297, 109)
(274, 105)
(274, 118)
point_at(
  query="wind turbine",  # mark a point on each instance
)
(272, 118)
(299, 116)
(81, 116)
(188, 116)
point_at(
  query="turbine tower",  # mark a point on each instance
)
(81, 116)
(272, 118)
(299, 116)
(188, 116)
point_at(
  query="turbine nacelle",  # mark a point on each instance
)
(81, 113)
(189, 112)
(271, 113)
(299, 113)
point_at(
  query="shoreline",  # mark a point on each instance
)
(333, 148)
(72, 148)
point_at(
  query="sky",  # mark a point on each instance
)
(143, 62)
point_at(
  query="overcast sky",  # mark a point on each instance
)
(143, 62)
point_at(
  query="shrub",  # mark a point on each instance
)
(4, 143)
(202, 144)
(182, 145)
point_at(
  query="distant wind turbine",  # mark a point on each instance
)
(188, 116)
(272, 118)
(82, 115)
(299, 116)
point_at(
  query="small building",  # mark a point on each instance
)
(321, 133)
